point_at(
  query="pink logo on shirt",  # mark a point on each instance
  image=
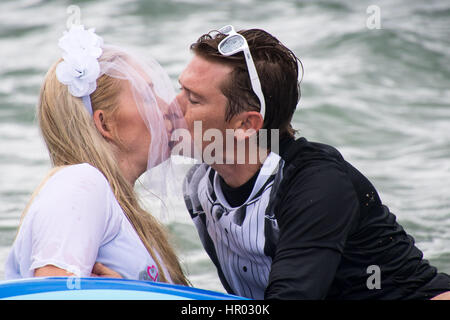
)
(149, 274)
(152, 272)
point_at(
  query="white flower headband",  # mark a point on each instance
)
(80, 68)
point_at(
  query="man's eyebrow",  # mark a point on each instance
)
(197, 95)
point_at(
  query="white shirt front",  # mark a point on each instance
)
(75, 221)
(236, 237)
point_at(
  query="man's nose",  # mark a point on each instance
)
(181, 103)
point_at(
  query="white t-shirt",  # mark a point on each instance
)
(75, 221)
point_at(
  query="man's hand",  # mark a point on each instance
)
(442, 296)
(99, 270)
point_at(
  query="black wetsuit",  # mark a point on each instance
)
(327, 233)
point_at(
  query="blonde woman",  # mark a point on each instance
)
(103, 116)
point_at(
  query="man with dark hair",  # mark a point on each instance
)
(300, 224)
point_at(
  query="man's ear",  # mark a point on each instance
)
(247, 124)
(101, 124)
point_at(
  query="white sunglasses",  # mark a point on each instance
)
(234, 43)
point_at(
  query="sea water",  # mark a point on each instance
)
(376, 86)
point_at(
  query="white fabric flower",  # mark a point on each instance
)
(79, 76)
(80, 68)
(80, 42)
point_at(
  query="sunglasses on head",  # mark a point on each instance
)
(234, 43)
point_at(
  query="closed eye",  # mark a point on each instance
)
(189, 95)
(192, 100)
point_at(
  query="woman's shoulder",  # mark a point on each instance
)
(75, 190)
(81, 171)
(80, 181)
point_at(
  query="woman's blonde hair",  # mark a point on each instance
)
(72, 138)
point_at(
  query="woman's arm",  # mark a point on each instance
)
(51, 271)
(99, 270)
(66, 234)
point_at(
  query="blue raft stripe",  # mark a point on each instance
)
(16, 288)
(102, 294)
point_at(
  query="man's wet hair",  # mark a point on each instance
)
(278, 70)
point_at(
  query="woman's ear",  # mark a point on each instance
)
(101, 124)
